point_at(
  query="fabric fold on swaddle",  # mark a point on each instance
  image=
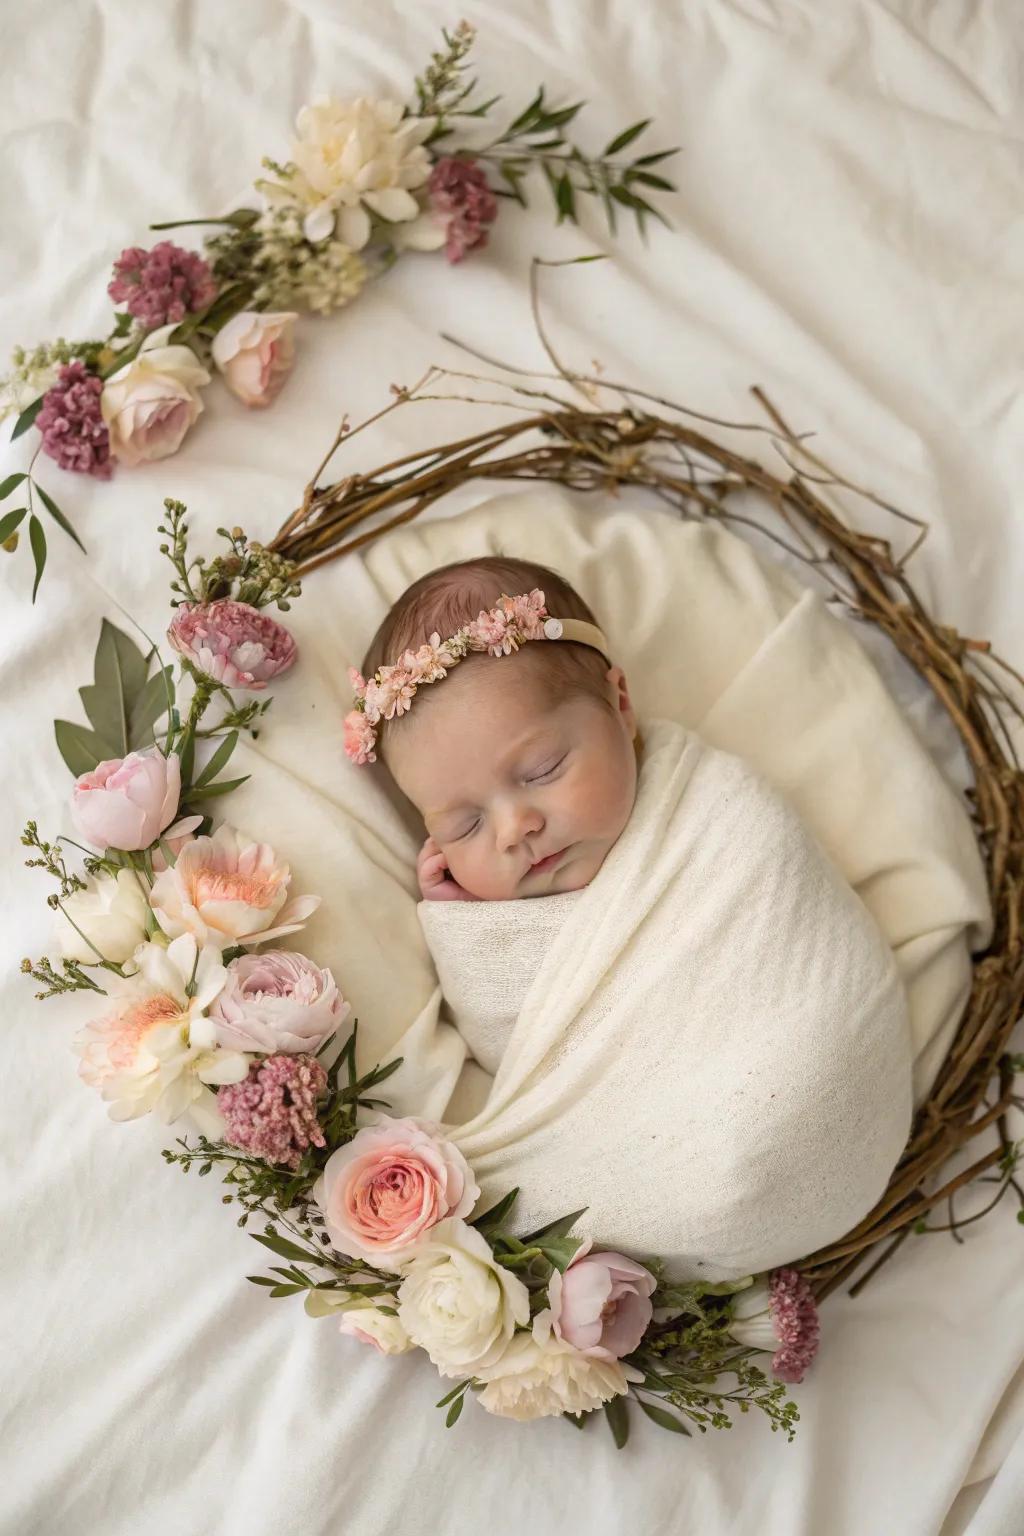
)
(712, 1053)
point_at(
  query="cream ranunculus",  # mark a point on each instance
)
(458, 1303)
(381, 1329)
(150, 403)
(109, 916)
(539, 1375)
(354, 158)
(153, 1049)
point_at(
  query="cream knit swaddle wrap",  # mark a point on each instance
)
(713, 1054)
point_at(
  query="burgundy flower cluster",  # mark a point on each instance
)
(459, 188)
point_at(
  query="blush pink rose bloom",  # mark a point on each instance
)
(126, 802)
(255, 354)
(150, 403)
(278, 1001)
(232, 642)
(228, 889)
(601, 1304)
(382, 1193)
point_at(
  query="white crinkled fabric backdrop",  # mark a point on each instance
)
(847, 234)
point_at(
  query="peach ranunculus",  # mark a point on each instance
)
(154, 1050)
(383, 1191)
(126, 802)
(601, 1303)
(150, 403)
(228, 889)
(255, 353)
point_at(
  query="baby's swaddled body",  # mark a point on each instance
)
(707, 1045)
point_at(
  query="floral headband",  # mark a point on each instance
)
(499, 630)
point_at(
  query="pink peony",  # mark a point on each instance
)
(278, 1001)
(126, 802)
(71, 421)
(382, 1193)
(255, 354)
(459, 187)
(601, 1304)
(233, 643)
(272, 1114)
(161, 285)
(226, 890)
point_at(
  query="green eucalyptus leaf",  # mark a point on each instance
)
(618, 1420)
(10, 522)
(154, 700)
(209, 791)
(665, 1419)
(80, 748)
(527, 115)
(27, 418)
(662, 154)
(494, 1217)
(454, 1411)
(8, 485)
(565, 199)
(287, 1290)
(37, 539)
(650, 180)
(627, 136)
(218, 760)
(282, 1246)
(559, 1228)
(455, 1392)
(58, 516)
(260, 1280)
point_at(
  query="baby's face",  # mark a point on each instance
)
(502, 781)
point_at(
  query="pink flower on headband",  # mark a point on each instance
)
(359, 738)
(528, 612)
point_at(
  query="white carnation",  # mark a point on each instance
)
(540, 1375)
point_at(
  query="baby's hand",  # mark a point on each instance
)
(431, 868)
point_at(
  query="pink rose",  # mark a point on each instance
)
(126, 802)
(278, 1001)
(381, 1194)
(150, 403)
(601, 1304)
(255, 354)
(231, 642)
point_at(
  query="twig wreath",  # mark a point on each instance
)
(165, 932)
(643, 445)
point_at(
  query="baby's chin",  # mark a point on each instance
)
(577, 871)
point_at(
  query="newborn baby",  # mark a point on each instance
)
(523, 768)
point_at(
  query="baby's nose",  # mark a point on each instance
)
(516, 824)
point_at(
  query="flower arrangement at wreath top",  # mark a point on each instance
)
(176, 926)
(367, 181)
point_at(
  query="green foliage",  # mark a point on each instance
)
(123, 704)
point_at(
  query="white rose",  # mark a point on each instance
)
(255, 353)
(150, 403)
(539, 1375)
(354, 158)
(458, 1303)
(110, 914)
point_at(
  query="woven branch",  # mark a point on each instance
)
(586, 448)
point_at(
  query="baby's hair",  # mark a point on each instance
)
(447, 598)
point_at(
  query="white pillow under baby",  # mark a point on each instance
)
(710, 634)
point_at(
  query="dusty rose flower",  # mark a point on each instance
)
(71, 422)
(359, 737)
(458, 187)
(781, 1316)
(601, 1304)
(227, 889)
(255, 353)
(161, 285)
(272, 1114)
(126, 802)
(231, 642)
(383, 1192)
(278, 1001)
(150, 403)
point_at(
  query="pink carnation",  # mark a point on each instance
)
(493, 632)
(795, 1320)
(232, 642)
(74, 432)
(459, 188)
(161, 286)
(272, 1113)
(359, 738)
